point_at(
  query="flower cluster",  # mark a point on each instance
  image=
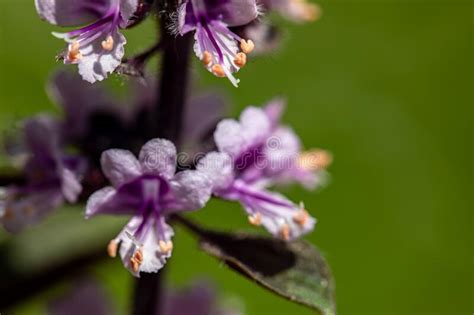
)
(256, 153)
(237, 160)
(225, 32)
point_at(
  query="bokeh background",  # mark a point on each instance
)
(385, 85)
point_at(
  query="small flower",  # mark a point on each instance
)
(254, 154)
(51, 177)
(149, 190)
(294, 10)
(221, 51)
(97, 48)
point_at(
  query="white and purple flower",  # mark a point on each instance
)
(149, 190)
(221, 51)
(256, 153)
(98, 47)
(51, 177)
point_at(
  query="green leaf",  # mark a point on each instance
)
(295, 270)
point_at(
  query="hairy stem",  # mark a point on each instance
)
(167, 118)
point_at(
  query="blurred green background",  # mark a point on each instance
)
(386, 86)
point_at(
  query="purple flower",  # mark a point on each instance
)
(51, 177)
(149, 190)
(256, 153)
(87, 297)
(97, 48)
(221, 51)
(294, 10)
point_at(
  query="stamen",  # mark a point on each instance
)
(112, 248)
(314, 160)
(218, 70)
(73, 52)
(108, 43)
(285, 232)
(302, 216)
(165, 247)
(206, 58)
(247, 46)
(255, 219)
(136, 260)
(240, 59)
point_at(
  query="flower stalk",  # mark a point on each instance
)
(168, 115)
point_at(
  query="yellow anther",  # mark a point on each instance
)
(112, 248)
(108, 43)
(240, 59)
(255, 219)
(247, 46)
(136, 260)
(73, 52)
(301, 217)
(314, 160)
(218, 70)
(206, 58)
(285, 232)
(165, 247)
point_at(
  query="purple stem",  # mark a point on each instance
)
(167, 117)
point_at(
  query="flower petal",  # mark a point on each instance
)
(70, 185)
(218, 167)
(255, 126)
(153, 258)
(108, 201)
(22, 211)
(274, 111)
(42, 135)
(191, 190)
(158, 156)
(96, 63)
(71, 13)
(231, 12)
(120, 166)
(127, 9)
(229, 138)
(281, 152)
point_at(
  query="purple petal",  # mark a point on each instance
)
(158, 156)
(127, 9)
(218, 167)
(70, 185)
(120, 166)
(231, 12)
(255, 125)
(191, 190)
(85, 297)
(229, 137)
(108, 201)
(274, 111)
(71, 13)
(282, 151)
(22, 211)
(42, 135)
